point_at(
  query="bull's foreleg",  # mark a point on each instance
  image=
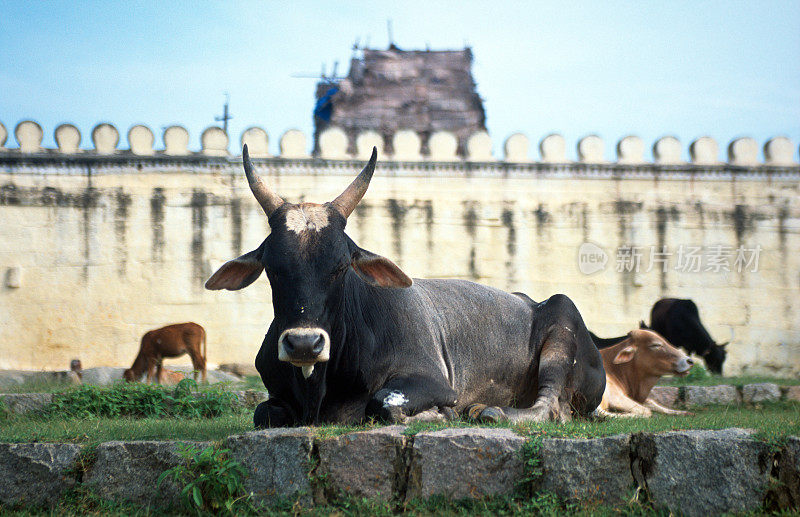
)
(404, 397)
(272, 413)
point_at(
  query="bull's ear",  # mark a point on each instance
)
(237, 273)
(625, 355)
(378, 271)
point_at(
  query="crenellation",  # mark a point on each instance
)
(704, 151)
(516, 148)
(257, 142)
(743, 152)
(293, 144)
(68, 139)
(29, 136)
(630, 150)
(407, 146)
(479, 147)
(591, 149)
(141, 140)
(365, 142)
(667, 151)
(778, 151)
(443, 146)
(214, 142)
(553, 149)
(333, 144)
(176, 141)
(105, 138)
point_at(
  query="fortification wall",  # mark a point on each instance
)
(99, 246)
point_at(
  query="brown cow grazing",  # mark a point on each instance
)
(633, 367)
(170, 341)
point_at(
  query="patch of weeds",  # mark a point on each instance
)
(531, 466)
(81, 500)
(142, 400)
(211, 482)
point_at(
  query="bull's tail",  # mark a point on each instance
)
(205, 354)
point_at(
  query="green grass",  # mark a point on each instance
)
(772, 421)
(699, 376)
(92, 430)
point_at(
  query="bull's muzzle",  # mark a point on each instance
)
(304, 347)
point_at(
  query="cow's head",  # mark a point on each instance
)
(653, 355)
(714, 357)
(307, 258)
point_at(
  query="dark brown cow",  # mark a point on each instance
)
(633, 367)
(170, 341)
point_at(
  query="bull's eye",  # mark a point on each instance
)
(655, 345)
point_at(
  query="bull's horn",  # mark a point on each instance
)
(268, 200)
(347, 201)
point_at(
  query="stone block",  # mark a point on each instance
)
(105, 138)
(36, 474)
(597, 470)
(760, 392)
(367, 464)
(20, 403)
(102, 375)
(669, 396)
(704, 395)
(128, 471)
(465, 463)
(792, 393)
(703, 472)
(240, 369)
(785, 494)
(277, 462)
(68, 138)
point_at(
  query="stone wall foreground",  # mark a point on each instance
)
(699, 472)
(98, 248)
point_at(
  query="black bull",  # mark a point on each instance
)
(352, 338)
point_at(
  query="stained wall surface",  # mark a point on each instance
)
(93, 253)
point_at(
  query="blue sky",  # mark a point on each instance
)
(725, 69)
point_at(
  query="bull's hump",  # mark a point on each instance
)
(307, 218)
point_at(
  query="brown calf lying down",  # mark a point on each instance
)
(170, 377)
(633, 367)
(170, 341)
